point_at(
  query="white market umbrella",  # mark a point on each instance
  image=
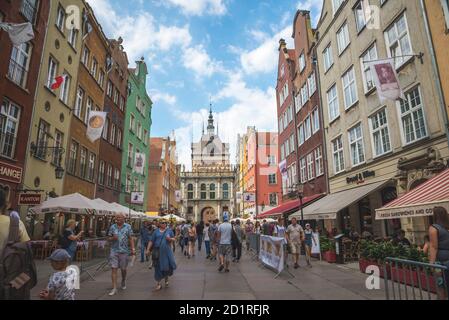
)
(174, 216)
(109, 207)
(72, 203)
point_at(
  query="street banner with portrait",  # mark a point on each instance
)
(249, 197)
(95, 125)
(139, 163)
(283, 170)
(178, 195)
(137, 197)
(272, 252)
(316, 244)
(386, 80)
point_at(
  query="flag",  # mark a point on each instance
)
(18, 33)
(57, 82)
(386, 80)
(95, 125)
(283, 170)
(249, 197)
(139, 163)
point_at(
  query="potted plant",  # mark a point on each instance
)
(328, 250)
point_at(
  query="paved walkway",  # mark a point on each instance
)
(198, 279)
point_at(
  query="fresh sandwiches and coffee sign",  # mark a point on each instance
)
(361, 177)
(10, 173)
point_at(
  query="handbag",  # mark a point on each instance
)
(156, 253)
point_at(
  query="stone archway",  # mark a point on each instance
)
(208, 214)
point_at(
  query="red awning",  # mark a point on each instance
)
(420, 201)
(290, 206)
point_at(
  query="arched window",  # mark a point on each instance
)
(212, 191)
(203, 192)
(225, 191)
(190, 192)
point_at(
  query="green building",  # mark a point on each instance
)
(136, 138)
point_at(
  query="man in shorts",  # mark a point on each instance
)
(295, 234)
(121, 237)
(225, 248)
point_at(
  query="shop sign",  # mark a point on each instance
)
(361, 177)
(30, 199)
(10, 173)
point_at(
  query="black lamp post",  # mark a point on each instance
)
(59, 172)
(301, 196)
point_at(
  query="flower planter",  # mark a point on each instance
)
(330, 257)
(411, 278)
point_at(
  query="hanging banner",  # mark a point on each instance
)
(283, 170)
(139, 163)
(386, 80)
(316, 249)
(178, 195)
(249, 197)
(18, 33)
(272, 252)
(137, 197)
(95, 125)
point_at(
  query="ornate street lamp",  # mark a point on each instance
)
(59, 172)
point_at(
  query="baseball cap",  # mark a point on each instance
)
(59, 255)
(225, 217)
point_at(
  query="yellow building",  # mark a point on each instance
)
(52, 109)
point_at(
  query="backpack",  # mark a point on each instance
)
(18, 273)
(234, 239)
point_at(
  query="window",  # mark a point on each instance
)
(445, 5)
(292, 143)
(369, 55)
(42, 139)
(60, 19)
(336, 4)
(83, 162)
(136, 184)
(91, 170)
(303, 168)
(79, 103)
(319, 165)
(145, 136)
(130, 155)
(290, 114)
(85, 56)
(302, 62)
(128, 183)
(225, 191)
(273, 199)
(349, 88)
(139, 131)
(282, 71)
(293, 173)
(357, 149)
(52, 70)
(203, 192)
(106, 129)
(113, 131)
(310, 166)
(101, 78)
(9, 126)
(315, 120)
(308, 128)
(94, 67)
(65, 90)
(132, 124)
(272, 179)
(122, 103)
(360, 16)
(301, 135)
(339, 160)
(57, 154)
(89, 108)
(380, 133)
(298, 102)
(117, 179)
(109, 89)
(398, 41)
(101, 173)
(29, 10)
(304, 95)
(311, 81)
(287, 147)
(332, 102)
(280, 125)
(285, 120)
(412, 117)
(282, 152)
(73, 35)
(190, 192)
(272, 160)
(343, 38)
(328, 58)
(116, 96)
(19, 63)
(212, 192)
(109, 176)
(72, 157)
(119, 138)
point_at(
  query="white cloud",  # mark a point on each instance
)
(157, 96)
(200, 7)
(251, 107)
(197, 60)
(314, 6)
(263, 59)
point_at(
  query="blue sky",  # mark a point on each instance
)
(197, 50)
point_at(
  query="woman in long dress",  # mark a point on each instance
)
(162, 254)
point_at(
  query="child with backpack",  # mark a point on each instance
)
(62, 283)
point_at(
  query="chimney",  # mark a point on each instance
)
(282, 45)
